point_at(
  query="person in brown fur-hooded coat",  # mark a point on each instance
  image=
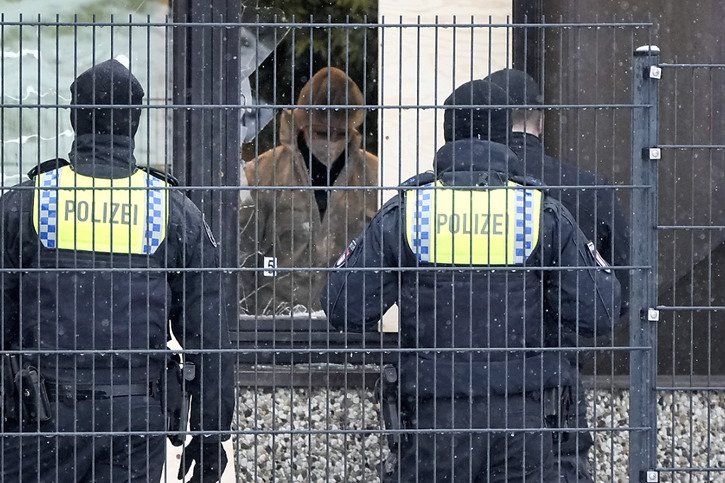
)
(319, 149)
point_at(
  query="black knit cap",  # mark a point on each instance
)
(107, 83)
(521, 88)
(476, 122)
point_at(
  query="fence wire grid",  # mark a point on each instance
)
(385, 259)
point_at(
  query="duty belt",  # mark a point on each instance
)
(83, 392)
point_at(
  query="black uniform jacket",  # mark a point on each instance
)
(118, 303)
(596, 211)
(580, 301)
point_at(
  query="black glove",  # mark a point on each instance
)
(210, 457)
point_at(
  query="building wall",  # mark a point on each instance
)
(422, 66)
(592, 66)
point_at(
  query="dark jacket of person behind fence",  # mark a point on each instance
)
(596, 210)
(302, 221)
(98, 257)
(476, 256)
(597, 213)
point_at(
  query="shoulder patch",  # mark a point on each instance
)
(209, 234)
(346, 254)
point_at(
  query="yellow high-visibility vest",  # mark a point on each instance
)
(76, 212)
(496, 226)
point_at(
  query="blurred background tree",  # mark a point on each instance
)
(305, 50)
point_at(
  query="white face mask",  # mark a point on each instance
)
(326, 151)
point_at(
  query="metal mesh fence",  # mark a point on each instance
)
(690, 379)
(392, 269)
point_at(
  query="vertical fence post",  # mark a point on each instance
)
(206, 143)
(643, 289)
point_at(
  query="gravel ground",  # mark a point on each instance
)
(320, 456)
(689, 423)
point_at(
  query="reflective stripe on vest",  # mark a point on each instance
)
(76, 212)
(498, 226)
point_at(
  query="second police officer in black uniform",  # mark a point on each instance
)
(475, 255)
(598, 214)
(101, 256)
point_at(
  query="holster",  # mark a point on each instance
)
(27, 395)
(551, 402)
(558, 412)
(176, 397)
(388, 394)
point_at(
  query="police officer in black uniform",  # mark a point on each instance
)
(464, 252)
(101, 258)
(597, 213)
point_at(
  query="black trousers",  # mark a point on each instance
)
(88, 458)
(484, 456)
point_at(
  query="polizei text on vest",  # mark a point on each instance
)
(106, 212)
(471, 223)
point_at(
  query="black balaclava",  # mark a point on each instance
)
(107, 83)
(521, 88)
(477, 122)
